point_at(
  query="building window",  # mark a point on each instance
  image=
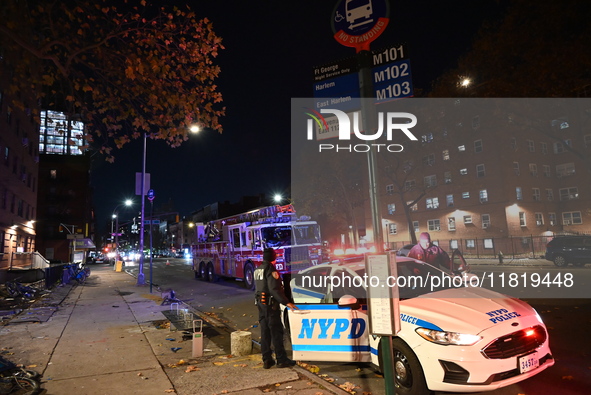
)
(478, 146)
(522, 219)
(53, 174)
(429, 160)
(467, 219)
(447, 177)
(483, 194)
(533, 169)
(565, 169)
(413, 207)
(430, 181)
(531, 146)
(476, 122)
(549, 194)
(547, 172)
(390, 189)
(432, 203)
(463, 171)
(391, 208)
(485, 221)
(488, 244)
(392, 228)
(536, 194)
(453, 244)
(544, 148)
(568, 193)
(427, 138)
(470, 243)
(558, 148)
(433, 225)
(461, 148)
(445, 154)
(451, 223)
(513, 143)
(572, 218)
(552, 218)
(449, 200)
(415, 225)
(539, 219)
(516, 168)
(409, 185)
(465, 195)
(518, 193)
(480, 172)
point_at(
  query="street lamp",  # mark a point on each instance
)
(127, 203)
(277, 198)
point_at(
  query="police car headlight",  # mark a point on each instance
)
(448, 338)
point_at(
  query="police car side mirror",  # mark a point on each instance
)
(349, 301)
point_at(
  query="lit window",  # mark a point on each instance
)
(463, 171)
(483, 196)
(522, 219)
(451, 223)
(446, 154)
(415, 225)
(462, 148)
(53, 174)
(465, 195)
(391, 208)
(539, 219)
(392, 229)
(518, 193)
(432, 203)
(467, 219)
(449, 199)
(413, 207)
(470, 243)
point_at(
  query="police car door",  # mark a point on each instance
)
(329, 332)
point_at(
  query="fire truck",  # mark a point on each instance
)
(233, 247)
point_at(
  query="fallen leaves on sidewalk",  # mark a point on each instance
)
(240, 365)
(349, 387)
(192, 368)
(310, 368)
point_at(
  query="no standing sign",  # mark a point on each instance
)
(356, 23)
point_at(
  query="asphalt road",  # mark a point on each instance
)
(568, 322)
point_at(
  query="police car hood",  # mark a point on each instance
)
(466, 310)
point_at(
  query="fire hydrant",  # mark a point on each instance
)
(501, 257)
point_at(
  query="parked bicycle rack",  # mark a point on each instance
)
(180, 319)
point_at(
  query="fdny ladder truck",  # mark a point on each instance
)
(233, 247)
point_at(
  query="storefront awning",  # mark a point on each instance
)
(83, 244)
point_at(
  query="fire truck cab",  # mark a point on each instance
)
(233, 247)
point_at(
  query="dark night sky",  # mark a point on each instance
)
(271, 48)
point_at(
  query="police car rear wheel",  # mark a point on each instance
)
(409, 377)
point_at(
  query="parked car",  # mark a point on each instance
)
(405, 249)
(563, 250)
(455, 338)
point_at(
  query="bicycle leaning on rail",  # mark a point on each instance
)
(76, 271)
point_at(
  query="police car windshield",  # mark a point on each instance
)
(276, 236)
(306, 234)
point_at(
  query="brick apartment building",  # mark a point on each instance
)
(496, 175)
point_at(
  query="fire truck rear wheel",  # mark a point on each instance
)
(211, 277)
(249, 276)
(203, 272)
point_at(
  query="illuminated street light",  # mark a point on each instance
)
(195, 128)
(278, 198)
(465, 82)
(127, 203)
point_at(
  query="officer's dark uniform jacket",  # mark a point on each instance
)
(269, 288)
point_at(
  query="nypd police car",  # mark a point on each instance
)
(454, 338)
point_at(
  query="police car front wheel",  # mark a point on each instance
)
(408, 374)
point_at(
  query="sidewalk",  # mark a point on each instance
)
(107, 337)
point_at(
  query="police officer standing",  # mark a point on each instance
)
(269, 294)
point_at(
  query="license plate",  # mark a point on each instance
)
(528, 362)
